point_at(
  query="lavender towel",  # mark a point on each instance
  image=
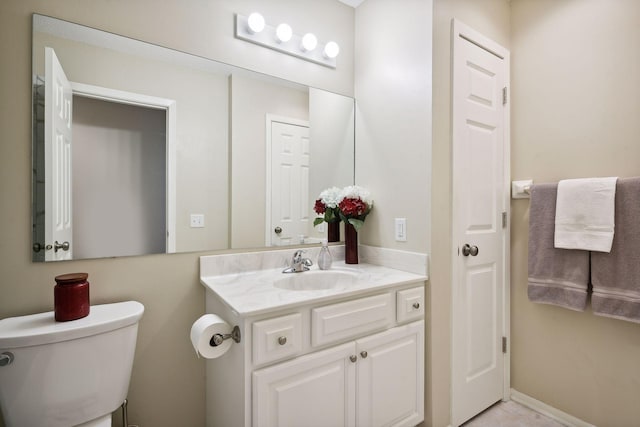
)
(616, 275)
(556, 276)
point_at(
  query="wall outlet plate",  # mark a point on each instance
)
(196, 221)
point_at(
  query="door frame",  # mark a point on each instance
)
(140, 100)
(461, 32)
(269, 120)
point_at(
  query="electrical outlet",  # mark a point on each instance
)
(196, 221)
(322, 227)
(401, 229)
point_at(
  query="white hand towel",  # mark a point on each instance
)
(585, 212)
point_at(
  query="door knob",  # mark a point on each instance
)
(64, 246)
(469, 250)
(277, 230)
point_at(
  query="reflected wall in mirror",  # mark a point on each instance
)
(140, 149)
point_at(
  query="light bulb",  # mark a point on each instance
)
(255, 23)
(283, 33)
(309, 42)
(331, 50)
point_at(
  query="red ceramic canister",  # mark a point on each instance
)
(71, 297)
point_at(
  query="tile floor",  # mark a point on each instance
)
(511, 414)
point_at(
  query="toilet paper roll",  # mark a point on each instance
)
(203, 330)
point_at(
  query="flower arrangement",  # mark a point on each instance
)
(351, 204)
(354, 206)
(327, 206)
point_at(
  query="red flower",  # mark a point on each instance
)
(352, 207)
(319, 207)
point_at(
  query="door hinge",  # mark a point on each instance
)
(504, 95)
(504, 345)
(504, 219)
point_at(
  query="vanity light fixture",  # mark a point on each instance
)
(331, 50)
(255, 23)
(254, 29)
(283, 33)
(309, 42)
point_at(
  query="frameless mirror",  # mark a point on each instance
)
(140, 149)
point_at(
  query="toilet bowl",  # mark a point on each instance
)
(63, 374)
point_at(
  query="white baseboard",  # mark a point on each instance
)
(549, 411)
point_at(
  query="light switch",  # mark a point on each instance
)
(197, 221)
(401, 229)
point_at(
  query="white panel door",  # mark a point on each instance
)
(480, 237)
(290, 205)
(391, 377)
(316, 390)
(57, 148)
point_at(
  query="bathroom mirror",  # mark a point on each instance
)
(140, 149)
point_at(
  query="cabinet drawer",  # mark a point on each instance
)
(410, 304)
(344, 320)
(277, 338)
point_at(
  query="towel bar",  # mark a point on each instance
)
(521, 189)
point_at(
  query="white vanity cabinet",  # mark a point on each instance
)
(370, 382)
(345, 361)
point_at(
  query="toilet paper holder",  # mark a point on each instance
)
(218, 339)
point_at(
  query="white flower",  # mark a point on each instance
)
(331, 197)
(356, 192)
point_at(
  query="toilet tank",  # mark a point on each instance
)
(67, 373)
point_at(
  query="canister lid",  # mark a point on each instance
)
(66, 279)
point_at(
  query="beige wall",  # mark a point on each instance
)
(491, 18)
(393, 118)
(332, 134)
(167, 387)
(576, 102)
(251, 101)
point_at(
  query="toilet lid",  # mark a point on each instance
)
(41, 328)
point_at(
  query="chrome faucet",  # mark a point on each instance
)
(298, 263)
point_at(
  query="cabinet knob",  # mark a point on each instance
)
(353, 358)
(282, 340)
(364, 354)
(416, 305)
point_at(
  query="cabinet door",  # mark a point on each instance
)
(390, 388)
(313, 390)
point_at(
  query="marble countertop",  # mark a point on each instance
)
(253, 292)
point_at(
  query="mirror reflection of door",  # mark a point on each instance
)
(112, 181)
(57, 221)
(289, 204)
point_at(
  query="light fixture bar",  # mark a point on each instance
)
(267, 38)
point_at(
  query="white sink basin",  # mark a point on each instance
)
(315, 280)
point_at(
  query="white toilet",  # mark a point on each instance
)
(67, 373)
